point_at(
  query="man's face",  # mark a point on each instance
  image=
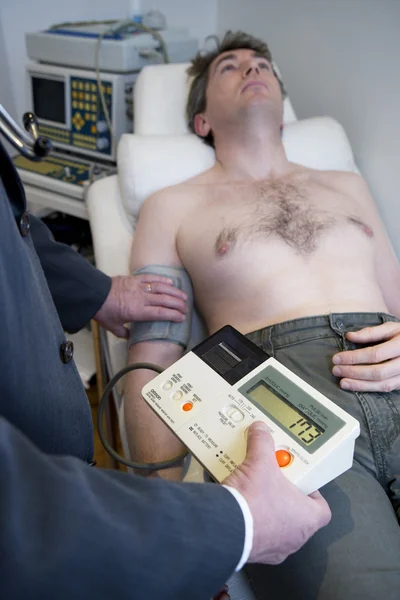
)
(239, 83)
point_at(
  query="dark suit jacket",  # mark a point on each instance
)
(68, 530)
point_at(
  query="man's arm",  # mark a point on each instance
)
(154, 243)
(78, 289)
(375, 367)
(68, 530)
(386, 265)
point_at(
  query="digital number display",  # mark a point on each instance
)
(291, 419)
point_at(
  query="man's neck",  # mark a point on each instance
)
(251, 155)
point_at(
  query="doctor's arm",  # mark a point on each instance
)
(77, 288)
(81, 292)
(68, 530)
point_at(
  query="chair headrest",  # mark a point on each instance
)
(147, 164)
(160, 100)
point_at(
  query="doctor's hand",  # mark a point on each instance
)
(373, 368)
(140, 298)
(284, 518)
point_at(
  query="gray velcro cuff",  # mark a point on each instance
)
(178, 333)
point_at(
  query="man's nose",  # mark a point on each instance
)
(253, 68)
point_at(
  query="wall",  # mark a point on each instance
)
(339, 58)
(199, 18)
(6, 94)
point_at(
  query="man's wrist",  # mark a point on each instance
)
(248, 523)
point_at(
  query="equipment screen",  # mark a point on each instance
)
(49, 99)
(289, 417)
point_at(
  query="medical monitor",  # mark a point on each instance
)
(70, 111)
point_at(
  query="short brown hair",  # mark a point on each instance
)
(199, 70)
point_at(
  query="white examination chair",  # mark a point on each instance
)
(162, 152)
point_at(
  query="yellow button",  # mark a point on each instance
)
(283, 457)
(187, 406)
(93, 130)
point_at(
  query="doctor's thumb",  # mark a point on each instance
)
(260, 444)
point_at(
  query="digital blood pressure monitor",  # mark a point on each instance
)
(211, 396)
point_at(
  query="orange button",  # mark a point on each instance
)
(283, 457)
(187, 406)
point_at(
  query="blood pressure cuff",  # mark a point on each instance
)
(179, 333)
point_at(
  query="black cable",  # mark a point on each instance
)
(102, 406)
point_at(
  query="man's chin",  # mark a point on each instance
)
(257, 107)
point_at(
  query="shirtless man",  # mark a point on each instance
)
(299, 261)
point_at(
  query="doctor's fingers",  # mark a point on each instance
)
(154, 287)
(159, 284)
(160, 313)
(166, 300)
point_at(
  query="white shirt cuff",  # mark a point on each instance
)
(248, 523)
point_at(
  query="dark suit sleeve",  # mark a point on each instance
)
(78, 289)
(68, 530)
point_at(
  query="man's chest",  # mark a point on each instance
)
(296, 216)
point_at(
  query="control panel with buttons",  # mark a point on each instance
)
(62, 168)
(89, 129)
(211, 396)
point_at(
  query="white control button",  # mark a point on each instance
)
(177, 395)
(102, 143)
(234, 414)
(167, 385)
(101, 126)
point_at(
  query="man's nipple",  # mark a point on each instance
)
(223, 249)
(225, 242)
(368, 231)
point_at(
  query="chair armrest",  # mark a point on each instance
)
(112, 234)
(112, 231)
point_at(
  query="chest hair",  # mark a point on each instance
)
(281, 208)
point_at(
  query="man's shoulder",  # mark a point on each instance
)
(172, 196)
(342, 179)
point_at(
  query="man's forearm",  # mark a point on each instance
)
(149, 438)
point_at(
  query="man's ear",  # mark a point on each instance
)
(201, 125)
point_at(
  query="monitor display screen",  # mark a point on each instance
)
(49, 99)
